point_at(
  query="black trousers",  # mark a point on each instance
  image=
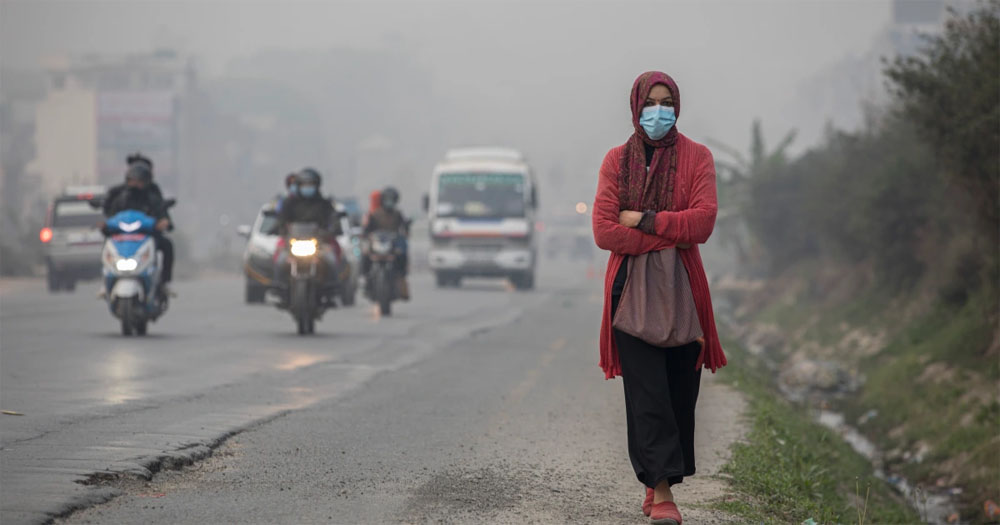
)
(166, 246)
(661, 390)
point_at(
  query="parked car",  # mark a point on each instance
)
(72, 242)
(262, 241)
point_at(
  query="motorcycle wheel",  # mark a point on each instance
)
(383, 293)
(385, 307)
(126, 313)
(302, 306)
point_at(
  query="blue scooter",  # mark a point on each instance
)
(132, 271)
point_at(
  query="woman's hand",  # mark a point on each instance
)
(630, 218)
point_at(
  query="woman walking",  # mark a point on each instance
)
(655, 203)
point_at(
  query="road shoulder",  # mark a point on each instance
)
(511, 425)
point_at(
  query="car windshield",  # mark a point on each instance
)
(268, 224)
(74, 214)
(481, 195)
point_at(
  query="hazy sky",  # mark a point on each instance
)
(554, 75)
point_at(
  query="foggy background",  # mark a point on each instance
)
(373, 93)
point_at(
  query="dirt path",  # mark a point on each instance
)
(573, 465)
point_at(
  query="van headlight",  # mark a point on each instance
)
(126, 265)
(303, 248)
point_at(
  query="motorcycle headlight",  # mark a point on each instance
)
(303, 248)
(126, 265)
(380, 246)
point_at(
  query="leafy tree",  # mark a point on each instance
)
(740, 176)
(951, 93)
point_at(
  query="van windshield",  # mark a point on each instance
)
(481, 195)
(74, 214)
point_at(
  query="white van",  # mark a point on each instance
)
(481, 209)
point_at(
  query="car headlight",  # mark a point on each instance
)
(303, 248)
(259, 251)
(126, 265)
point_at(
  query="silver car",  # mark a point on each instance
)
(72, 241)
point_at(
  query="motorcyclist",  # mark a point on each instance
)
(133, 159)
(137, 194)
(163, 243)
(374, 203)
(387, 217)
(308, 205)
(291, 189)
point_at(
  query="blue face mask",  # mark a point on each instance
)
(307, 191)
(293, 189)
(657, 121)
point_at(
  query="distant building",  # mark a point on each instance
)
(98, 109)
(18, 99)
(839, 94)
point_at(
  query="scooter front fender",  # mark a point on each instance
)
(127, 288)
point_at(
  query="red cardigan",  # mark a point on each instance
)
(695, 200)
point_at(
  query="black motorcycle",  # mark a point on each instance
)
(383, 280)
(305, 286)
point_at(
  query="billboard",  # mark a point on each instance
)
(130, 121)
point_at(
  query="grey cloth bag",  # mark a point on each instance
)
(657, 305)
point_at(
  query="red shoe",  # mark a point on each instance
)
(647, 504)
(665, 513)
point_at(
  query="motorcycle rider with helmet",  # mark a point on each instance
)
(387, 217)
(138, 193)
(163, 243)
(308, 205)
(291, 189)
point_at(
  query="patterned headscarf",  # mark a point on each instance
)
(639, 189)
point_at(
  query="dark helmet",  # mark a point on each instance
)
(310, 176)
(139, 172)
(139, 158)
(290, 178)
(390, 197)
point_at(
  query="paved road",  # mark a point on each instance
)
(468, 404)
